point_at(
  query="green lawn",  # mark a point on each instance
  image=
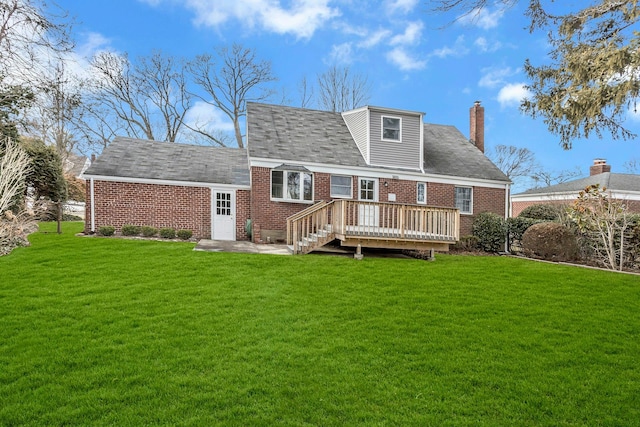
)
(98, 331)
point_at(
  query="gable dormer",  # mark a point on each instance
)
(387, 137)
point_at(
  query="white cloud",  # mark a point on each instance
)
(512, 94)
(403, 6)
(458, 49)
(411, 34)
(374, 39)
(493, 77)
(482, 18)
(341, 54)
(205, 115)
(403, 60)
(483, 45)
(300, 18)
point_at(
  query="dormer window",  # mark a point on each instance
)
(391, 128)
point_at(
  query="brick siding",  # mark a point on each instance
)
(270, 217)
(155, 205)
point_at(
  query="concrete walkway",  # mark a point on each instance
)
(242, 247)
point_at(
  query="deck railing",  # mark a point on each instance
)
(346, 219)
(354, 218)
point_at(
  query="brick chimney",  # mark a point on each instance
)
(599, 166)
(476, 134)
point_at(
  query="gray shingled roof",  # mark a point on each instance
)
(448, 152)
(612, 181)
(302, 135)
(143, 159)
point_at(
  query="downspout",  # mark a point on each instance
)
(507, 213)
(93, 209)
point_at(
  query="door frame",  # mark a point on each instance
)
(214, 191)
(367, 216)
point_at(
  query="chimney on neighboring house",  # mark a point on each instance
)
(476, 134)
(599, 166)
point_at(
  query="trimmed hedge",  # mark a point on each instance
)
(551, 241)
(541, 212)
(106, 230)
(184, 234)
(148, 231)
(130, 230)
(168, 233)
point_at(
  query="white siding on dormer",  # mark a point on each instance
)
(403, 154)
(357, 123)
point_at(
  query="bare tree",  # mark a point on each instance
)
(27, 29)
(239, 77)
(149, 99)
(632, 166)
(592, 79)
(305, 89)
(543, 178)
(514, 162)
(57, 111)
(340, 90)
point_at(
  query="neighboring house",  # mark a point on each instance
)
(372, 176)
(625, 187)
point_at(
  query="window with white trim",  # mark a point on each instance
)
(341, 186)
(391, 128)
(421, 193)
(464, 199)
(292, 185)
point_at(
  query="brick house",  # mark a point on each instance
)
(371, 176)
(620, 186)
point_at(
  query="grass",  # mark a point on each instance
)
(98, 331)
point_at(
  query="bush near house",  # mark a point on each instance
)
(168, 233)
(106, 230)
(184, 234)
(542, 212)
(148, 231)
(130, 230)
(550, 241)
(490, 230)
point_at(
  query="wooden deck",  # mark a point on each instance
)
(373, 224)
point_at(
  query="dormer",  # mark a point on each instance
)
(387, 137)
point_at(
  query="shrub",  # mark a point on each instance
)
(467, 243)
(550, 241)
(518, 225)
(168, 233)
(184, 234)
(148, 231)
(542, 212)
(106, 230)
(490, 230)
(131, 230)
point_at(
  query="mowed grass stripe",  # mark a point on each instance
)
(124, 332)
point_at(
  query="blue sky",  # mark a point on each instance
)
(412, 58)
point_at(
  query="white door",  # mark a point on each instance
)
(223, 225)
(368, 191)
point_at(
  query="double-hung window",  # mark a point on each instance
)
(464, 199)
(421, 193)
(292, 185)
(391, 128)
(341, 186)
